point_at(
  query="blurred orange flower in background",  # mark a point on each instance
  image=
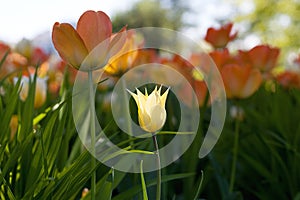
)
(262, 57)
(13, 61)
(124, 59)
(219, 38)
(289, 79)
(34, 55)
(40, 90)
(240, 81)
(221, 57)
(93, 29)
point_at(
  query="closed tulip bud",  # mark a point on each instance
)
(151, 109)
(40, 90)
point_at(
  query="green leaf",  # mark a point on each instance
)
(144, 188)
(128, 194)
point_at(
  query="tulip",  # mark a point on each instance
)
(240, 81)
(151, 109)
(40, 90)
(219, 38)
(94, 29)
(262, 57)
(289, 79)
(124, 59)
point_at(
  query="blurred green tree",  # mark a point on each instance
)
(154, 13)
(276, 22)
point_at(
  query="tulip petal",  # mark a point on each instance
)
(118, 40)
(163, 98)
(252, 84)
(234, 77)
(69, 44)
(94, 28)
(144, 120)
(158, 117)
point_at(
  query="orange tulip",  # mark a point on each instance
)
(124, 59)
(200, 89)
(262, 57)
(240, 81)
(146, 56)
(221, 57)
(289, 79)
(94, 29)
(219, 38)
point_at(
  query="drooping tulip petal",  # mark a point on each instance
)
(69, 44)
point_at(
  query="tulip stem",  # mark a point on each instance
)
(93, 134)
(235, 152)
(158, 186)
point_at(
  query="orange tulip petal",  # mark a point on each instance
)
(234, 77)
(117, 42)
(69, 44)
(94, 28)
(252, 84)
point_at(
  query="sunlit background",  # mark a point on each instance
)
(30, 19)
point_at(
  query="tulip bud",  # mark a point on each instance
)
(40, 90)
(151, 109)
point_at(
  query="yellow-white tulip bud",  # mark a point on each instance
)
(40, 90)
(151, 109)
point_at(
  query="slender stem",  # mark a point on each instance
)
(158, 187)
(199, 187)
(127, 112)
(235, 152)
(93, 134)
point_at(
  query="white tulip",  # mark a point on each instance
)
(151, 109)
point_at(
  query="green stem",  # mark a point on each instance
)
(158, 187)
(127, 111)
(235, 153)
(199, 187)
(93, 134)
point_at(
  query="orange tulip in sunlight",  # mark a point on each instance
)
(94, 29)
(240, 81)
(219, 38)
(124, 59)
(262, 57)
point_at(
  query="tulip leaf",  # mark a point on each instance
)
(144, 188)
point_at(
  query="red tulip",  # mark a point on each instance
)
(289, 79)
(219, 38)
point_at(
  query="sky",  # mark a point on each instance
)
(29, 18)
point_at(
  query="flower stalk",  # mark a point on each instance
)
(158, 185)
(93, 134)
(235, 153)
